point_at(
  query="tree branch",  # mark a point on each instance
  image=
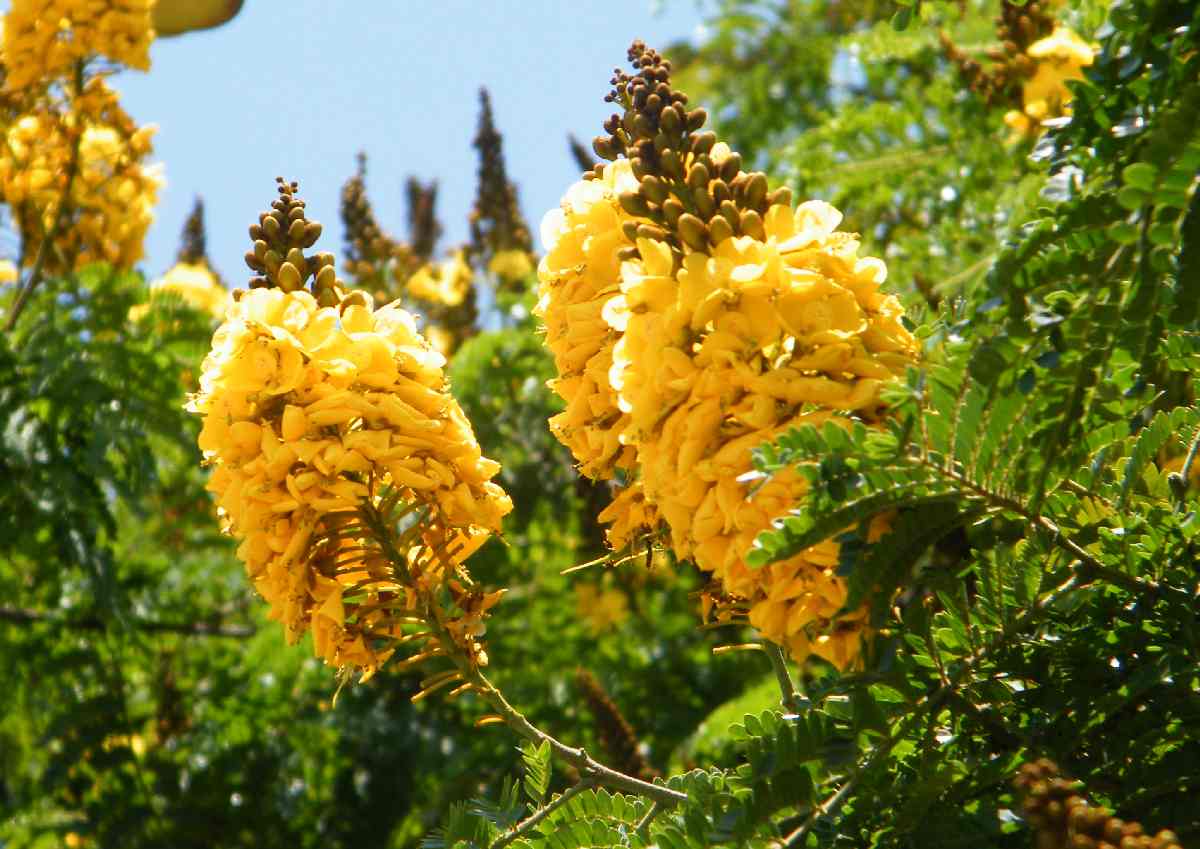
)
(540, 814)
(791, 699)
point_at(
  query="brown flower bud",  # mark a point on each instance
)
(671, 164)
(627, 253)
(312, 232)
(288, 277)
(706, 206)
(703, 142)
(630, 229)
(719, 230)
(603, 147)
(752, 224)
(258, 283)
(260, 249)
(671, 210)
(256, 232)
(272, 259)
(693, 232)
(325, 278)
(669, 122)
(696, 119)
(270, 225)
(296, 213)
(327, 297)
(697, 176)
(731, 166)
(649, 231)
(296, 257)
(654, 189)
(634, 203)
(296, 231)
(730, 211)
(254, 262)
(756, 190)
(780, 197)
(720, 191)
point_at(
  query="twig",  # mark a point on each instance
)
(643, 825)
(787, 688)
(23, 616)
(578, 758)
(540, 814)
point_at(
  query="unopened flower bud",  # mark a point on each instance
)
(654, 189)
(634, 203)
(312, 232)
(756, 190)
(697, 176)
(719, 230)
(693, 232)
(271, 227)
(288, 277)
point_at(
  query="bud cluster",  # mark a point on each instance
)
(1064, 819)
(692, 191)
(1017, 27)
(500, 238)
(280, 238)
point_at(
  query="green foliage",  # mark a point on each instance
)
(1033, 595)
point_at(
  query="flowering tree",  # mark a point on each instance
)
(865, 519)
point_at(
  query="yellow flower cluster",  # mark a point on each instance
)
(677, 368)
(195, 284)
(578, 276)
(46, 38)
(112, 195)
(445, 283)
(1059, 57)
(309, 411)
(8, 271)
(511, 266)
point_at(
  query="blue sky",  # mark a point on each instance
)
(298, 88)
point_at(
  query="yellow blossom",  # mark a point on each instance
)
(511, 265)
(602, 609)
(46, 38)
(578, 277)
(8, 271)
(113, 192)
(445, 283)
(195, 284)
(310, 411)
(1059, 58)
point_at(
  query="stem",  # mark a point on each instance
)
(578, 758)
(787, 688)
(540, 814)
(643, 826)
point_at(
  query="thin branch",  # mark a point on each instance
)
(787, 688)
(643, 825)
(23, 616)
(531, 821)
(578, 758)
